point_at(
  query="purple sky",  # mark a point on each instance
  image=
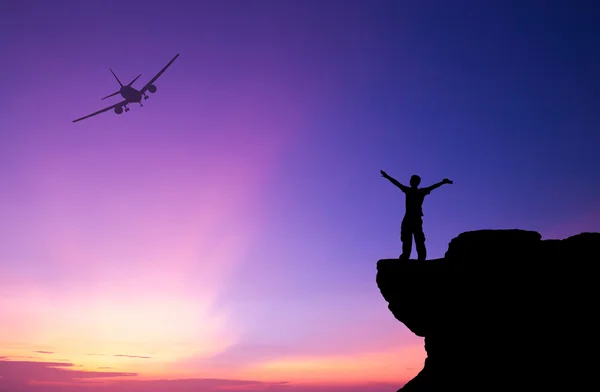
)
(229, 229)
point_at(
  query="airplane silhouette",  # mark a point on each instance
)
(129, 93)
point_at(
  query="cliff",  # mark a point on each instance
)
(502, 309)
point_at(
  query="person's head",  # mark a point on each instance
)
(415, 181)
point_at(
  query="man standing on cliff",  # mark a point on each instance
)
(412, 224)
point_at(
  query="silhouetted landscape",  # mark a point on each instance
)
(503, 309)
(195, 193)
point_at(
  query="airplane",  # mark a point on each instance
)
(130, 94)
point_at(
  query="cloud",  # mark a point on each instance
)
(44, 352)
(61, 377)
(120, 355)
(215, 385)
(22, 372)
(207, 383)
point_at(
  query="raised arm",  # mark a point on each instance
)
(404, 188)
(439, 184)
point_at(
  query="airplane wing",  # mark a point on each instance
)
(102, 111)
(158, 75)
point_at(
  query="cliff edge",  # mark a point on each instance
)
(502, 309)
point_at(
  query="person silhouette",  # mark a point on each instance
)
(412, 223)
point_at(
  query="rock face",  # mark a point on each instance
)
(502, 309)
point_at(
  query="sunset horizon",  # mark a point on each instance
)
(225, 235)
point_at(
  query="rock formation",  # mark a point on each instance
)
(503, 309)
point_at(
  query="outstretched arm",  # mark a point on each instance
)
(404, 188)
(439, 184)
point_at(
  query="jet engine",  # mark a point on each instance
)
(119, 109)
(152, 88)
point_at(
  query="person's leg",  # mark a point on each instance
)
(420, 243)
(406, 238)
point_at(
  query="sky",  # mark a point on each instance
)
(225, 235)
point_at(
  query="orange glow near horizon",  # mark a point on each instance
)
(383, 366)
(395, 365)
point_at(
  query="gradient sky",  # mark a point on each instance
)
(225, 235)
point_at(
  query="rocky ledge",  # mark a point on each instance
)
(503, 309)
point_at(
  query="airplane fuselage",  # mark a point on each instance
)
(131, 94)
